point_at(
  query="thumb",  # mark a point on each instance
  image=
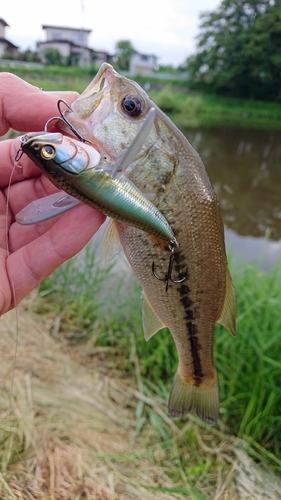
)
(26, 108)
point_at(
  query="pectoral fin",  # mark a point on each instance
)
(150, 321)
(111, 245)
(228, 314)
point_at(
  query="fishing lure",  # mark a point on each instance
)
(80, 170)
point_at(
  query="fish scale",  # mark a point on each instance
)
(198, 283)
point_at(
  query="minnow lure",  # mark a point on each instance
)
(93, 178)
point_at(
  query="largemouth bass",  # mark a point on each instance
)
(200, 291)
(84, 173)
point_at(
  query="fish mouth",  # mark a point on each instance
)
(97, 91)
(100, 82)
(91, 107)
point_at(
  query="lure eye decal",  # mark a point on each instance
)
(47, 152)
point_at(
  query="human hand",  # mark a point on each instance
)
(30, 253)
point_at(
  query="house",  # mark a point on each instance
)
(72, 44)
(6, 47)
(100, 56)
(142, 64)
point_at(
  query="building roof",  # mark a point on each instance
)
(11, 45)
(46, 26)
(2, 21)
(47, 42)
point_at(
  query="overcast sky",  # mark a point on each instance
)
(166, 28)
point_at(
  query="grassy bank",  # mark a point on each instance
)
(84, 402)
(74, 426)
(100, 313)
(185, 108)
(200, 110)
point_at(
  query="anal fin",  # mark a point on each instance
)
(228, 314)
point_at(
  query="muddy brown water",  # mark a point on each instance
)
(245, 169)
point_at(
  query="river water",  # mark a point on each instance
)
(245, 169)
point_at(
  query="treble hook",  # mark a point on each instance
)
(62, 118)
(67, 122)
(168, 275)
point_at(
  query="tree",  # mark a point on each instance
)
(239, 49)
(124, 51)
(53, 57)
(72, 60)
(27, 55)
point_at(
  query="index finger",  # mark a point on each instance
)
(27, 108)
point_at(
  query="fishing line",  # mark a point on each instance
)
(7, 225)
(14, 296)
(12, 285)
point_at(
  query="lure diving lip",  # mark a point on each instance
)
(46, 208)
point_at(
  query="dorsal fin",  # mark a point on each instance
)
(228, 314)
(150, 321)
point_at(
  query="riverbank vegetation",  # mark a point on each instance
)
(238, 50)
(85, 414)
(249, 365)
(185, 108)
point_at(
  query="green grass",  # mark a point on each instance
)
(203, 110)
(193, 109)
(104, 309)
(249, 366)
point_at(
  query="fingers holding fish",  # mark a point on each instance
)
(11, 172)
(20, 194)
(86, 220)
(31, 261)
(22, 114)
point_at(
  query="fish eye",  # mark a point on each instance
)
(131, 105)
(47, 152)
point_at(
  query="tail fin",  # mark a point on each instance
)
(203, 400)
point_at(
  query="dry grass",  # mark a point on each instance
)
(68, 431)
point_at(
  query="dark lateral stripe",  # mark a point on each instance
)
(195, 348)
(191, 328)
